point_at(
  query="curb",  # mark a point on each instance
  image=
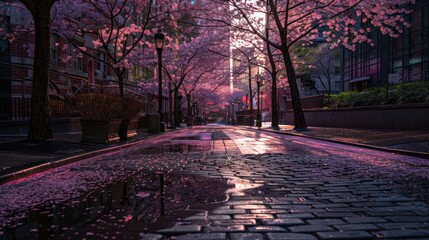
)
(60, 162)
(384, 149)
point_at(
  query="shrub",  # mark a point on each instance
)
(130, 108)
(95, 106)
(412, 92)
(416, 92)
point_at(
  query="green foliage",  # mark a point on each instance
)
(416, 92)
(412, 92)
(94, 106)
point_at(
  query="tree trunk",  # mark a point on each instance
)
(298, 113)
(274, 104)
(188, 101)
(176, 108)
(250, 96)
(40, 127)
(121, 82)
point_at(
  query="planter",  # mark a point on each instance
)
(100, 131)
(128, 128)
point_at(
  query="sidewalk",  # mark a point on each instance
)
(16, 155)
(410, 142)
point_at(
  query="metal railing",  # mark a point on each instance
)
(18, 109)
(15, 108)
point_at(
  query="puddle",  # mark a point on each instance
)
(122, 210)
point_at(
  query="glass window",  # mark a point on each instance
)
(415, 37)
(415, 72)
(397, 62)
(337, 84)
(415, 57)
(76, 62)
(425, 16)
(416, 19)
(425, 35)
(373, 69)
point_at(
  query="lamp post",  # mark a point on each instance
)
(258, 114)
(159, 43)
(232, 114)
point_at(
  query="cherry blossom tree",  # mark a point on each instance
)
(294, 22)
(119, 29)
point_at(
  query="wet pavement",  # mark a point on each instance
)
(224, 183)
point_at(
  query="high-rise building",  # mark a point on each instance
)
(391, 60)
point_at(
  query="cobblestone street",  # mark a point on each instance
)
(281, 187)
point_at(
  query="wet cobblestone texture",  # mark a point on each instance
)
(281, 187)
(294, 191)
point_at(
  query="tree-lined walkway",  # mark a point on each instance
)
(278, 187)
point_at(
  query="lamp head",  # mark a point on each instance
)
(159, 40)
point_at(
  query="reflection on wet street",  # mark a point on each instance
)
(223, 183)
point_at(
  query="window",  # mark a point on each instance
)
(101, 66)
(76, 62)
(54, 49)
(337, 84)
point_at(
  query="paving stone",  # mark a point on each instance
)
(218, 217)
(290, 206)
(345, 235)
(357, 227)
(408, 219)
(400, 234)
(296, 215)
(346, 200)
(403, 225)
(229, 211)
(150, 236)
(246, 236)
(229, 228)
(269, 211)
(253, 216)
(266, 229)
(246, 202)
(196, 218)
(335, 215)
(390, 213)
(372, 204)
(348, 209)
(308, 210)
(235, 222)
(202, 236)
(295, 236)
(365, 220)
(330, 205)
(249, 206)
(328, 221)
(181, 229)
(283, 221)
(310, 228)
(400, 208)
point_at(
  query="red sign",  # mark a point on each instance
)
(244, 99)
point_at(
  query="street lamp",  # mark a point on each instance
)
(159, 43)
(258, 114)
(232, 113)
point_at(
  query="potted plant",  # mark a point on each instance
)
(100, 117)
(130, 118)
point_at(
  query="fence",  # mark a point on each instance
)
(15, 108)
(19, 109)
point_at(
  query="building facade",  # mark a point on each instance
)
(71, 72)
(390, 60)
